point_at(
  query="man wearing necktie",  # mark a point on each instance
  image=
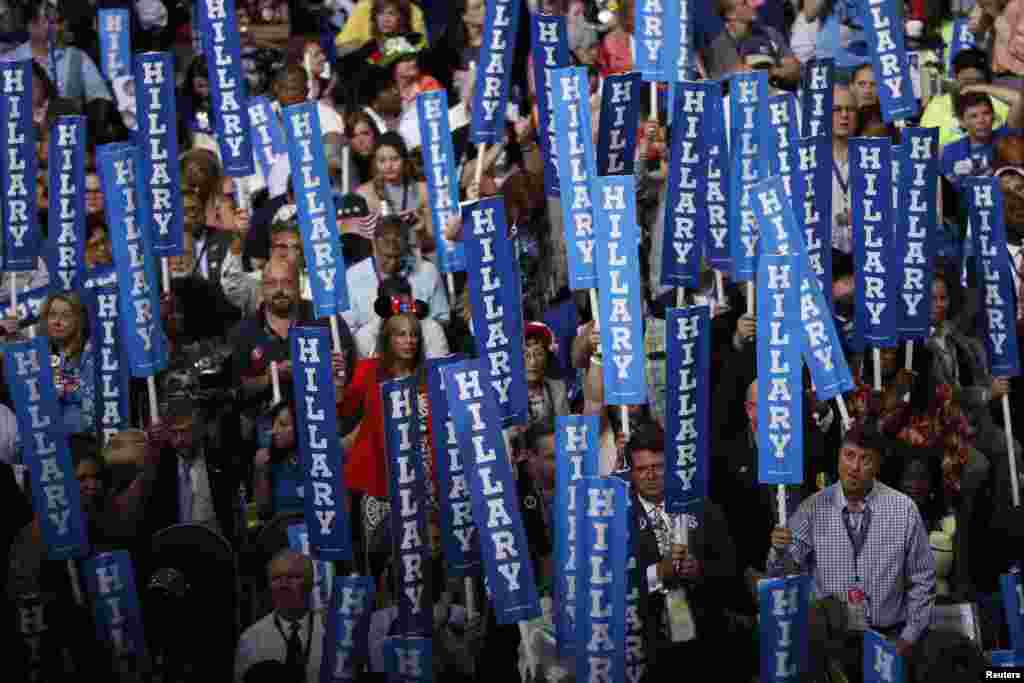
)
(292, 633)
(195, 484)
(668, 571)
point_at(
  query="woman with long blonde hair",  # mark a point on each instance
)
(65, 321)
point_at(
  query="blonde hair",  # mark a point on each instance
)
(76, 345)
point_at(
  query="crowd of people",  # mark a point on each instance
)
(907, 508)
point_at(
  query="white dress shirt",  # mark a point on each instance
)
(263, 641)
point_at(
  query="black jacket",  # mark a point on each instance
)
(713, 547)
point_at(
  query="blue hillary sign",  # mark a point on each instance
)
(816, 85)
(1013, 606)
(779, 368)
(503, 546)
(719, 247)
(495, 294)
(819, 342)
(576, 173)
(494, 71)
(459, 540)
(407, 491)
(131, 241)
(651, 28)
(618, 122)
(55, 492)
(783, 146)
(962, 38)
(687, 408)
(871, 201)
(883, 28)
(319, 443)
(748, 138)
(686, 212)
(549, 47)
(314, 201)
(346, 648)
(110, 580)
(113, 383)
(442, 181)
(602, 540)
(812, 205)
(409, 659)
(985, 212)
(620, 301)
(680, 60)
(115, 26)
(267, 134)
(914, 239)
(158, 137)
(784, 605)
(218, 26)
(21, 238)
(66, 216)
(576, 449)
(881, 662)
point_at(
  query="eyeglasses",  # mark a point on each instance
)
(839, 109)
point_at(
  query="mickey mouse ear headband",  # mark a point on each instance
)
(387, 306)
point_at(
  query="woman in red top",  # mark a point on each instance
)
(399, 355)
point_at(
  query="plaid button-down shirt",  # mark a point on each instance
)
(896, 565)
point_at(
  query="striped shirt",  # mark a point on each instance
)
(895, 566)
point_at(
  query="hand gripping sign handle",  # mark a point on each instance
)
(750, 297)
(1008, 427)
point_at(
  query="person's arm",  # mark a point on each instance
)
(920, 573)
(795, 556)
(438, 302)
(92, 81)
(128, 507)
(1005, 95)
(240, 288)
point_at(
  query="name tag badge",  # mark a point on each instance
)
(681, 626)
(857, 607)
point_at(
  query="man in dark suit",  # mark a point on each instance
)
(679, 584)
(193, 484)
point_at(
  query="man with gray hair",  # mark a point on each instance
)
(291, 633)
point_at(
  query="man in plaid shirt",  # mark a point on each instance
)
(865, 544)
